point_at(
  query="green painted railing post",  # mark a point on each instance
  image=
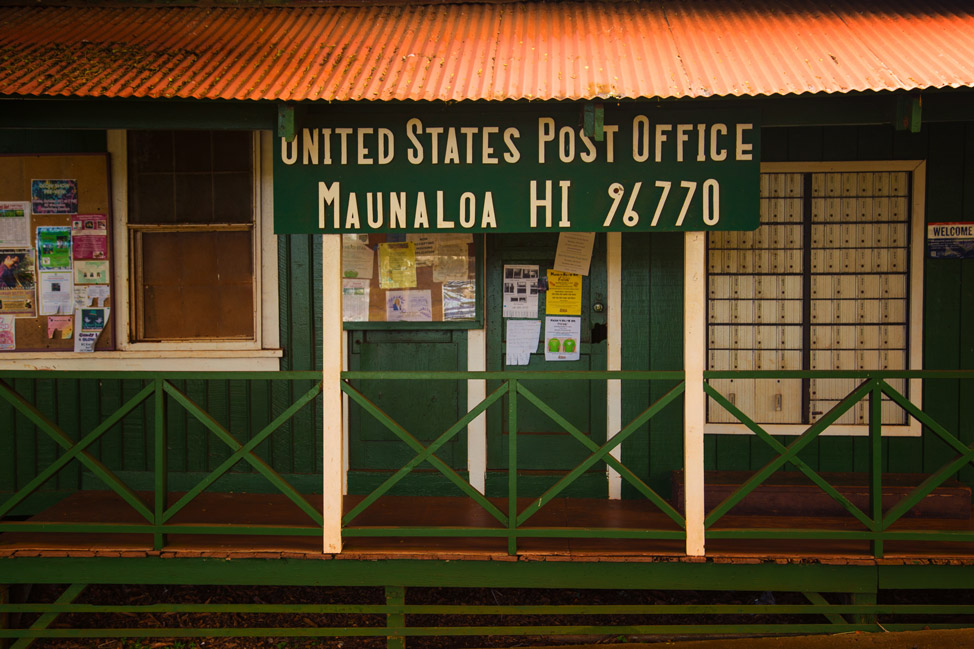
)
(4, 617)
(395, 596)
(161, 466)
(876, 461)
(512, 466)
(864, 598)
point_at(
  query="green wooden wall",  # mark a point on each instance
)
(652, 335)
(653, 285)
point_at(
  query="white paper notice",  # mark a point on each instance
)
(574, 252)
(56, 293)
(356, 258)
(425, 246)
(15, 224)
(522, 340)
(355, 300)
(8, 332)
(561, 338)
(409, 306)
(520, 292)
(451, 263)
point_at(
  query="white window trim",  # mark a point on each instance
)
(918, 168)
(261, 354)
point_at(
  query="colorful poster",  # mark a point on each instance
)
(460, 300)
(56, 196)
(562, 338)
(60, 327)
(355, 300)
(88, 325)
(18, 289)
(574, 252)
(56, 293)
(397, 265)
(15, 224)
(54, 247)
(409, 306)
(564, 296)
(520, 291)
(8, 332)
(89, 236)
(91, 272)
(522, 341)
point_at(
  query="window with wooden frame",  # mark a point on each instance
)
(193, 237)
(831, 280)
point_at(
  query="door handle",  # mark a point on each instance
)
(598, 307)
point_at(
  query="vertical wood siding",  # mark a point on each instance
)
(652, 339)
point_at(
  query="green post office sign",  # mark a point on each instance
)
(517, 169)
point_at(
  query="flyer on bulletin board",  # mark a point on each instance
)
(88, 325)
(355, 300)
(8, 332)
(397, 265)
(409, 306)
(54, 247)
(56, 196)
(520, 291)
(15, 224)
(18, 283)
(89, 236)
(562, 338)
(564, 296)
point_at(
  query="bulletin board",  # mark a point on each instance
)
(90, 176)
(454, 301)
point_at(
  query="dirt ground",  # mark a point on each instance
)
(935, 639)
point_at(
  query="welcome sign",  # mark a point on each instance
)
(518, 169)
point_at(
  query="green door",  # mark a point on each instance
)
(424, 408)
(545, 451)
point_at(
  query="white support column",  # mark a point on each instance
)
(332, 355)
(344, 417)
(694, 357)
(477, 392)
(613, 388)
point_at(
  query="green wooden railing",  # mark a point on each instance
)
(159, 392)
(877, 525)
(510, 518)
(513, 523)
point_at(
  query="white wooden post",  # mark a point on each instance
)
(613, 388)
(694, 357)
(477, 392)
(332, 353)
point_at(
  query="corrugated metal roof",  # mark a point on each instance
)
(497, 50)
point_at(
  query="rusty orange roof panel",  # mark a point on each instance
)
(490, 51)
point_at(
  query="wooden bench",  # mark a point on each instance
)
(790, 493)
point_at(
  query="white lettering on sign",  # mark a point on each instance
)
(489, 145)
(396, 206)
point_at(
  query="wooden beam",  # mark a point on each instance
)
(477, 429)
(613, 389)
(694, 400)
(332, 354)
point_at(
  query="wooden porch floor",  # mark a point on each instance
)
(389, 511)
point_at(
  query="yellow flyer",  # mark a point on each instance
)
(564, 296)
(397, 265)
